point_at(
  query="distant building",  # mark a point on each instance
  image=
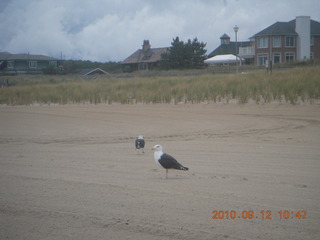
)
(96, 71)
(227, 47)
(282, 42)
(25, 63)
(143, 59)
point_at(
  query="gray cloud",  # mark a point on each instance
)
(104, 30)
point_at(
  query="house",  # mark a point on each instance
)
(26, 63)
(143, 59)
(282, 42)
(227, 47)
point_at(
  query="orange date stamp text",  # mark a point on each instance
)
(264, 214)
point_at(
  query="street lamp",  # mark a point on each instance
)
(236, 29)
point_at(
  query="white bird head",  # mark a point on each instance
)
(140, 137)
(157, 148)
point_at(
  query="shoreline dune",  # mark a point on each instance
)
(72, 172)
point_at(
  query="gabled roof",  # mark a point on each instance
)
(224, 36)
(278, 28)
(25, 56)
(230, 48)
(94, 71)
(287, 28)
(315, 27)
(140, 56)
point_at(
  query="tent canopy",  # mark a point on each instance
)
(221, 59)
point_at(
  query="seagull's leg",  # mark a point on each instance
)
(166, 173)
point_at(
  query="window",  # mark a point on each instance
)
(262, 42)
(276, 58)
(290, 42)
(225, 40)
(311, 41)
(143, 66)
(289, 57)
(311, 55)
(32, 64)
(276, 41)
(53, 64)
(262, 58)
(10, 64)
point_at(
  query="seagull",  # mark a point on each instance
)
(166, 161)
(139, 143)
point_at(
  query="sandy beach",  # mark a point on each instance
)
(72, 172)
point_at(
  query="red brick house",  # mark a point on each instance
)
(282, 42)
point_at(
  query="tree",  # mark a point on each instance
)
(184, 55)
(72, 66)
(199, 53)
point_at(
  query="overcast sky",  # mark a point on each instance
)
(111, 30)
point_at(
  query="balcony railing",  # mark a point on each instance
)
(246, 51)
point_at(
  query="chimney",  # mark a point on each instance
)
(146, 45)
(303, 40)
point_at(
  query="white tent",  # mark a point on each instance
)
(222, 59)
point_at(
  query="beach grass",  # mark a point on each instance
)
(294, 85)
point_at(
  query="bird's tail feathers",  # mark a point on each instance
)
(184, 168)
